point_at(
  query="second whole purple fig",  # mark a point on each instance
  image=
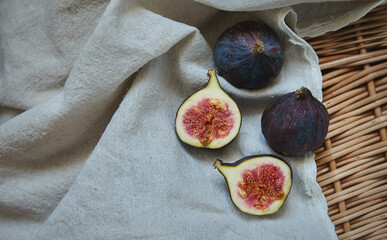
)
(296, 123)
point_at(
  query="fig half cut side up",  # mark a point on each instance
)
(209, 118)
(258, 184)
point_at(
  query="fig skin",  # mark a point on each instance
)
(233, 172)
(249, 55)
(209, 118)
(296, 123)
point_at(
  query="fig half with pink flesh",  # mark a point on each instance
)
(258, 184)
(209, 118)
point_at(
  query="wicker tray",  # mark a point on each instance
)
(351, 166)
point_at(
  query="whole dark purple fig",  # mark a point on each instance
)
(295, 123)
(248, 55)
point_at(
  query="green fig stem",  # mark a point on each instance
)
(303, 93)
(213, 82)
(218, 163)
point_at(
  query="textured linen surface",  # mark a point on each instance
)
(89, 92)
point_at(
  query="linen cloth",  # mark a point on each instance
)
(88, 94)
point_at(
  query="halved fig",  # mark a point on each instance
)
(258, 184)
(209, 118)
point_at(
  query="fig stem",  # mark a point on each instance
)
(213, 78)
(303, 93)
(217, 163)
(260, 47)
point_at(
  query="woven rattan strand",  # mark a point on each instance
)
(352, 166)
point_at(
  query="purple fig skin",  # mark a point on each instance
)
(248, 55)
(295, 124)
